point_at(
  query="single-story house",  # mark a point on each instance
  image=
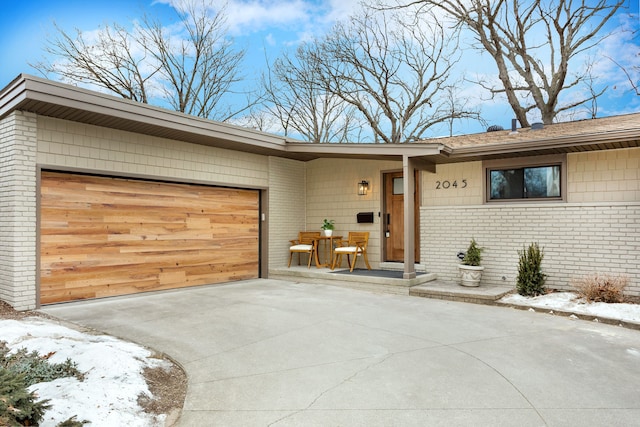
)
(102, 196)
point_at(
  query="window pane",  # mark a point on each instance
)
(542, 182)
(398, 186)
(507, 184)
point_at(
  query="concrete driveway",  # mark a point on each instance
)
(270, 352)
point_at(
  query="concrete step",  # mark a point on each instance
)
(483, 294)
(370, 280)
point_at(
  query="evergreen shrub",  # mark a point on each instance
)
(473, 256)
(18, 406)
(36, 368)
(531, 280)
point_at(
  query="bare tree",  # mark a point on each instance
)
(113, 61)
(303, 104)
(455, 104)
(190, 70)
(629, 61)
(390, 69)
(590, 82)
(630, 72)
(200, 69)
(532, 44)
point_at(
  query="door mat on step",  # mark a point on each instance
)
(391, 274)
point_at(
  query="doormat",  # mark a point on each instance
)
(389, 274)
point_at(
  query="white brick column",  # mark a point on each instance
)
(18, 149)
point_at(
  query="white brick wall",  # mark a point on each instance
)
(577, 239)
(18, 210)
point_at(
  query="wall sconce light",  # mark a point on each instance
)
(363, 186)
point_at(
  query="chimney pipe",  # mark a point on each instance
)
(514, 126)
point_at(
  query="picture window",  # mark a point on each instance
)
(516, 180)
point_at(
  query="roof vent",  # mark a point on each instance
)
(537, 126)
(514, 127)
(494, 128)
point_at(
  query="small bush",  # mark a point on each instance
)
(36, 368)
(473, 256)
(18, 371)
(18, 406)
(531, 280)
(598, 287)
(72, 422)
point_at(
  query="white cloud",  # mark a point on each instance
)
(270, 39)
(248, 16)
(340, 9)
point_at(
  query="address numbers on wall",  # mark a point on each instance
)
(447, 185)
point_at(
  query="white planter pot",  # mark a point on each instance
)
(328, 233)
(470, 275)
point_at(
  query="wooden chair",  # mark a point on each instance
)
(305, 244)
(355, 245)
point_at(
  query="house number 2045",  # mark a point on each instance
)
(450, 184)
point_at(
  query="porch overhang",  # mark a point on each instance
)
(62, 101)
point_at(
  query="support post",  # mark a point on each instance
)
(408, 172)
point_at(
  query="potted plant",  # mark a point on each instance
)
(327, 226)
(470, 269)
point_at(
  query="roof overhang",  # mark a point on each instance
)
(627, 138)
(53, 99)
(62, 101)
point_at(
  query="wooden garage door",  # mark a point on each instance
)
(107, 236)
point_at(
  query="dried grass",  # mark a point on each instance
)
(600, 287)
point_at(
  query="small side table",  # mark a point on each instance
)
(328, 250)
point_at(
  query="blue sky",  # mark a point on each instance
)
(275, 25)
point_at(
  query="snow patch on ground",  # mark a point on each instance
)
(570, 302)
(113, 369)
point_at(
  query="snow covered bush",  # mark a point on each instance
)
(36, 368)
(18, 406)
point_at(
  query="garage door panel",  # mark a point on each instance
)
(107, 236)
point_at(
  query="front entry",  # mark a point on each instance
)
(394, 217)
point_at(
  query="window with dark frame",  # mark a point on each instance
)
(525, 183)
(525, 179)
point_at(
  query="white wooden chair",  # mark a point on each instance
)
(306, 243)
(356, 245)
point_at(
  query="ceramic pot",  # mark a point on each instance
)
(470, 275)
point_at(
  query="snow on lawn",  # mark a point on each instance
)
(570, 302)
(113, 373)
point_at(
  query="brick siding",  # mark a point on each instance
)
(576, 238)
(18, 210)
